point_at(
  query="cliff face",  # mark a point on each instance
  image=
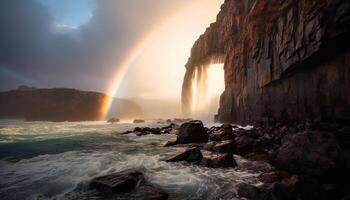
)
(283, 60)
(58, 105)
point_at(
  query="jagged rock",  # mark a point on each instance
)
(223, 133)
(269, 177)
(192, 132)
(193, 155)
(147, 192)
(283, 60)
(228, 146)
(244, 144)
(248, 191)
(310, 152)
(213, 160)
(120, 182)
(127, 185)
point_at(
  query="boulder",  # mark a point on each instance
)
(227, 146)
(213, 160)
(136, 121)
(244, 144)
(120, 182)
(127, 185)
(147, 192)
(192, 155)
(192, 132)
(248, 191)
(309, 152)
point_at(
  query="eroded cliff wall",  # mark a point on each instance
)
(283, 60)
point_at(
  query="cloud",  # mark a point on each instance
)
(33, 46)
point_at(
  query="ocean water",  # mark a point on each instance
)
(47, 160)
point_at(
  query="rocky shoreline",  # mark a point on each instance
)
(310, 160)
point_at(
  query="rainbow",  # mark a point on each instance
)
(122, 69)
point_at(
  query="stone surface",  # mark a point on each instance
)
(193, 155)
(309, 152)
(126, 185)
(213, 160)
(283, 60)
(120, 182)
(227, 146)
(192, 132)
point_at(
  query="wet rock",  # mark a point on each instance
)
(170, 143)
(155, 131)
(221, 133)
(309, 152)
(127, 185)
(213, 160)
(142, 133)
(269, 177)
(192, 132)
(192, 155)
(126, 132)
(263, 144)
(228, 146)
(120, 182)
(136, 121)
(248, 191)
(148, 192)
(244, 144)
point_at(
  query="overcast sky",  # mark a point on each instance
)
(74, 43)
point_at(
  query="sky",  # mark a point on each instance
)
(83, 44)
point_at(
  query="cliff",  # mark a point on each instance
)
(59, 104)
(283, 60)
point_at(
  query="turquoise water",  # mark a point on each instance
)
(46, 160)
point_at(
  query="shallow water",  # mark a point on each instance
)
(45, 160)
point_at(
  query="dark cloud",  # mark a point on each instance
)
(34, 49)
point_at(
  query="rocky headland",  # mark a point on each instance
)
(60, 104)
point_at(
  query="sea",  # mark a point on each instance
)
(57, 160)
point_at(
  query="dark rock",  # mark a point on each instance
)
(142, 133)
(193, 155)
(192, 132)
(136, 121)
(248, 191)
(170, 143)
(120, 182)
(113, 120)
(212, 160)
(148, 192)
(244, 144)
(312, 152)
(142, 129)
(269, 177)
(262, 144)
(155, 131)
(127, 185)
(223, 133)
(227, 146)
(126, 132)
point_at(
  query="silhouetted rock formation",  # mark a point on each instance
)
(57, 104)
(283, 60)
